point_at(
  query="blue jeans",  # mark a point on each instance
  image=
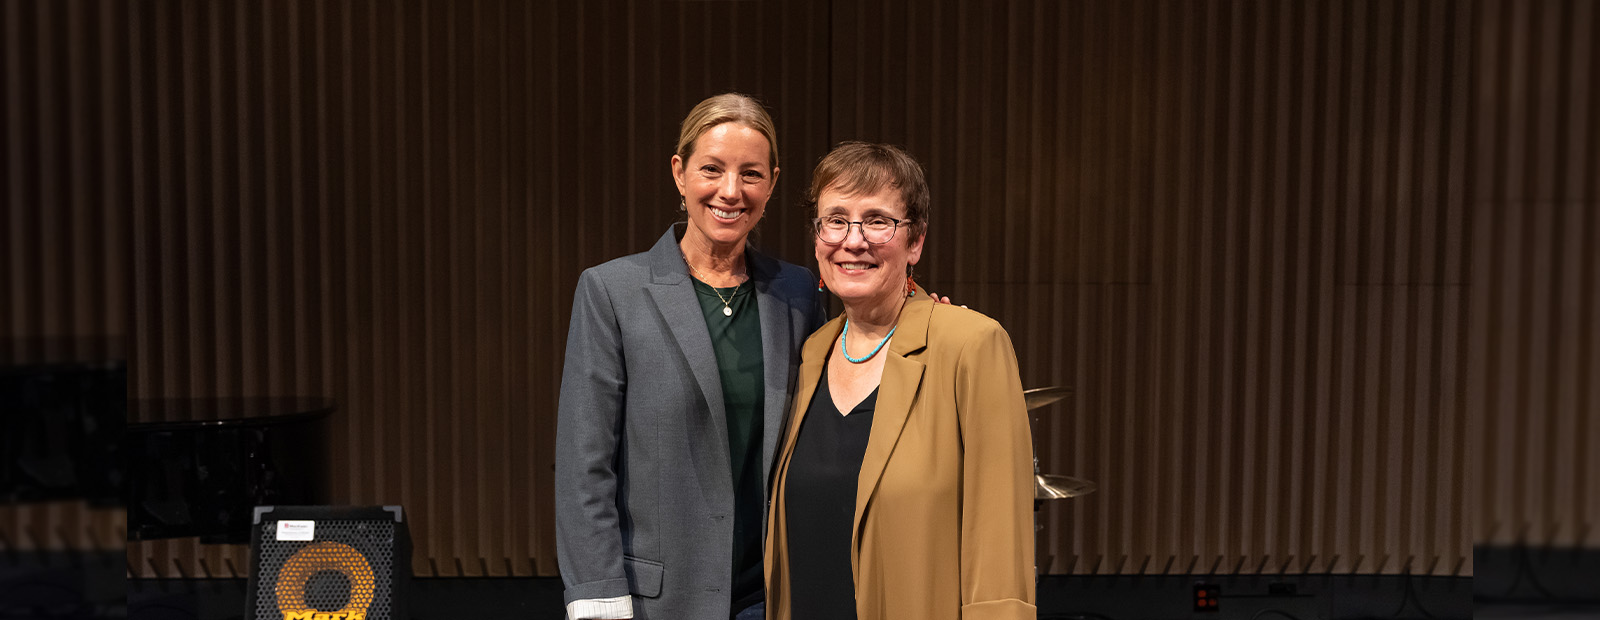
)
(757, 611)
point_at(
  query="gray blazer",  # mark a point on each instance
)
(644, 493)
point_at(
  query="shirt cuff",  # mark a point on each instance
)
(600, 608)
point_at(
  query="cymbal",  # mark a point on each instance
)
(1050, 486)
(1039, 397)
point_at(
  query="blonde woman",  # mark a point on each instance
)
(679, 365)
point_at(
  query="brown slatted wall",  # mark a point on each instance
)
(1532, 343)
(1240, 230)
(64, 277)
(1322, 274)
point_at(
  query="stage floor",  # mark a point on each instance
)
(1300, 597)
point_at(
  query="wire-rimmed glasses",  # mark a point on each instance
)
(876, 229)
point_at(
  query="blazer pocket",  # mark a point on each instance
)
(644, 576)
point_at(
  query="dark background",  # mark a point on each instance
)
(1323, 275)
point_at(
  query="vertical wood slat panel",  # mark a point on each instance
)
(1344, 254)
(65, 295)
(1337, 226)
(1532, 341)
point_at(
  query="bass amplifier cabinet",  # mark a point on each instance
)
(328, 563)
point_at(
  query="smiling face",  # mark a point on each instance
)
(866, 275)
(725, 184)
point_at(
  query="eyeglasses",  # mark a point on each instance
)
(876, 229)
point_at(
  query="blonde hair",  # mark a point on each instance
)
(727, 108)
(866, 168)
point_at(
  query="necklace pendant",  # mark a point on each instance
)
(726, 311)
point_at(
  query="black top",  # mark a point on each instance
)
(820, 499)
(736, 340)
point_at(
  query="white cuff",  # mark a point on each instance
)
(600, 608)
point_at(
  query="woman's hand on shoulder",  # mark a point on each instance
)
(940, 300)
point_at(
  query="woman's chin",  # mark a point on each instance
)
(727, 235)
(853, 294)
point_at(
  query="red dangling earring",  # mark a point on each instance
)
(911, 287)
(820, 285)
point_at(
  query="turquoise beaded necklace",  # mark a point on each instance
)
(845, 348)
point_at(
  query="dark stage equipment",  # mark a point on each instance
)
(328, 563)
(197, 466)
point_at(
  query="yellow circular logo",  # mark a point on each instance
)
(315, 558)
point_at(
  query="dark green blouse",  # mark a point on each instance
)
(737, 343)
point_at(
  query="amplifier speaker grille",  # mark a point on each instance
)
(350, 570)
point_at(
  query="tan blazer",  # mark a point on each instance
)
(943, 519)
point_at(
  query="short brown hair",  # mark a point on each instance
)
(727, 108)
(867, 168)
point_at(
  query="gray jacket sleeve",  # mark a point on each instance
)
(588, 431)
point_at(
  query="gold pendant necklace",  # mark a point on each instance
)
(727, 310)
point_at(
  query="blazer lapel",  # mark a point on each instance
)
(776, 356)
(674, 296)
(902, 377)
